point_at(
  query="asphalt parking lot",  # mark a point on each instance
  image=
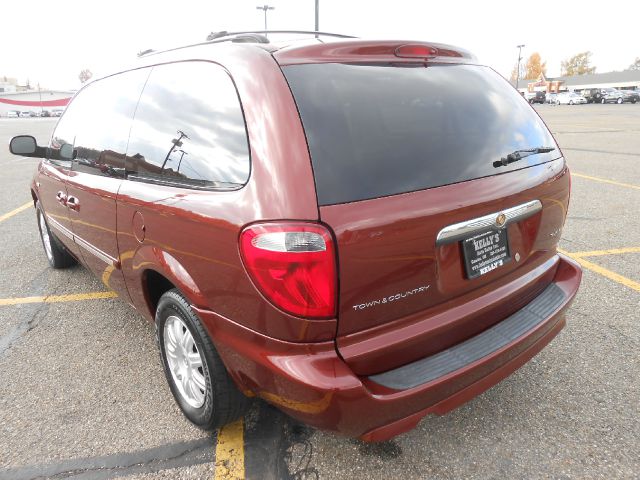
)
(82, 393)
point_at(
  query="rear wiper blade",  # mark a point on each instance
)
(518, 154)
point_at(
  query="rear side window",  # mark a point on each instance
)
(189, 129)
(378, 130)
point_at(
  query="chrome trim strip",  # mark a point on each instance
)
(458, 231)
(58, 226)
(105, 257)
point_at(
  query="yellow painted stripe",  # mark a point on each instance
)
(230, 452)
(599, 253)
(16, 211)
(605, 180)
(616, 277)
(75, 297)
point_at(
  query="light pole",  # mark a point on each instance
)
(264, 8)
(40, 95)
(177, 143)
(518, 69)
(317, 16)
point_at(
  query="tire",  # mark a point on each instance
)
(603, 101)
(56, 253)
(207, 397)
(570, 102)
(619, 101)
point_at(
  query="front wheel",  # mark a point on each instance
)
(619, 101)
(197, 377)
(56, 253)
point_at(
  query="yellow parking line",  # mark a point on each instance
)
(74, 297)
(599, 253)
(230, 452)
(604, 180)
(616, 277)
(15, 212)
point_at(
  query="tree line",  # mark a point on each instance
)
(579, 64)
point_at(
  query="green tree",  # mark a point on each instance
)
(579, 64)
(534, 67)
(635, 65)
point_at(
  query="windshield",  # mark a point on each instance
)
(378, 130)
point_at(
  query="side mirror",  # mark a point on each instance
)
(24, 145)
(67, 152)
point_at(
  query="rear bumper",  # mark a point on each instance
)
(312, 383)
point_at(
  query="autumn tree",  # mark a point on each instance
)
(534, 67)
(579, 64)
(85, 75)
(635, 65)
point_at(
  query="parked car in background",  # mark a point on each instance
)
(570, 98)
(631, 96)
(366, 293)
(551, 98)
(535, 97)
(592, 95)
(612, 95)
(25, 114)
(57, 112)
(45, 113)
(13, 114)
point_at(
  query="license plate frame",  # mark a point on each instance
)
(485, 252)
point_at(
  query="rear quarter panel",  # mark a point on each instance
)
(199, 230)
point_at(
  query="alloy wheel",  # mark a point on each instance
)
(185, 361)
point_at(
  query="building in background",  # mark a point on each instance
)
(625, 80)
(33, 101)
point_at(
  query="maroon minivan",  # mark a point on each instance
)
(359, 232)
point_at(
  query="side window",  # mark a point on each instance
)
(189, 130)
(60, 150)
(102, 117)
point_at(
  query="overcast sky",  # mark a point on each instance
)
(50, 41)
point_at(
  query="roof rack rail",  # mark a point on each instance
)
(142, 53)
(245, 37)
(223, 36)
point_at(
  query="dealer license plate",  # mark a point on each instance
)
(486, 252)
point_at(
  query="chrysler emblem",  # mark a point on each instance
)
(501, 220)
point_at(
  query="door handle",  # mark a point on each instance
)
(73, 203)
(61, 197)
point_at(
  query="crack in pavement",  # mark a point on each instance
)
(176, 455)
(32, 314)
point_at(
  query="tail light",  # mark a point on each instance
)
(293, 265)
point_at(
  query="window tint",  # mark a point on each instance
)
(60, 149)
(376, 130)
(189, 129)
(102, 117)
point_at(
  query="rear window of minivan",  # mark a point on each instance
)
(379, 130)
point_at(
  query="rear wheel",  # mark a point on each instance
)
(619, 101)
(197, 377)
(56, 253)
(570, 102)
